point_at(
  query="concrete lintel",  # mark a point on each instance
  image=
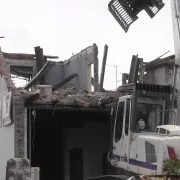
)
(67, 108)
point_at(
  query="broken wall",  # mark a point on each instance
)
(13, 140)
(6, 136)
(79, 64)
(55, 74)
(6, 132)
(19, 67)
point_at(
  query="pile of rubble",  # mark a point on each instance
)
(67, 97)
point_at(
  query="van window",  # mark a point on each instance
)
(119, 121)
(151, 114)
(127, 116)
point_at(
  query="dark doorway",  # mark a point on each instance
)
(47, 145)
(104, 163)
(50, 139)
(76, 164)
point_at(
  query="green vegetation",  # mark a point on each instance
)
(171, 167)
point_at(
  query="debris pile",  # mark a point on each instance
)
(68, 97)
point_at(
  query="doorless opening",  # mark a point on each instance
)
(69, 145)
(76, 164)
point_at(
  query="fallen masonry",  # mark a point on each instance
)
(66, 97)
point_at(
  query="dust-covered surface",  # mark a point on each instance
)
(65, 97)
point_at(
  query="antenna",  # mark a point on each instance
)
(163, 55)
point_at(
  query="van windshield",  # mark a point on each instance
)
(151, 114)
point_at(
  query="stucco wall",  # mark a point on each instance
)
(6, 137)
(55, 73)
(157, 76)
(77, 64)
(94, 139)
(161, 75)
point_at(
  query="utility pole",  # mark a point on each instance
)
(116, 72)
(175, 9)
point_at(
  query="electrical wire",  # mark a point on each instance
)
(54, 110)
(33, 124)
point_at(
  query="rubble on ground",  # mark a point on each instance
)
(66, 97)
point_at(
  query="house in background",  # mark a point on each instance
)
(160, 71)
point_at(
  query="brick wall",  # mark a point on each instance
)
(20, 120)
(18, 169)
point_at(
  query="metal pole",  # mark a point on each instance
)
(176, 34)
(174, 85)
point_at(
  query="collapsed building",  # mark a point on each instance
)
(56, 120)
(58, 127)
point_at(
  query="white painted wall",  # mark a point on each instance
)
(157, 76)
(94, 139)
(6, 138)
(161, 75)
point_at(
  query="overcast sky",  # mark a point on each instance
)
(63, 27)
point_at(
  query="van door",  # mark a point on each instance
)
(118, 148)
(126, 129)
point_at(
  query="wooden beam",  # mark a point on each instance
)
(39, 75)
(22, 56)
(103, 67)
(39, 61)
(65, 107)
(142, 70)
(69, 78)
(96, 72)
(134, 69)
(51, 57)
